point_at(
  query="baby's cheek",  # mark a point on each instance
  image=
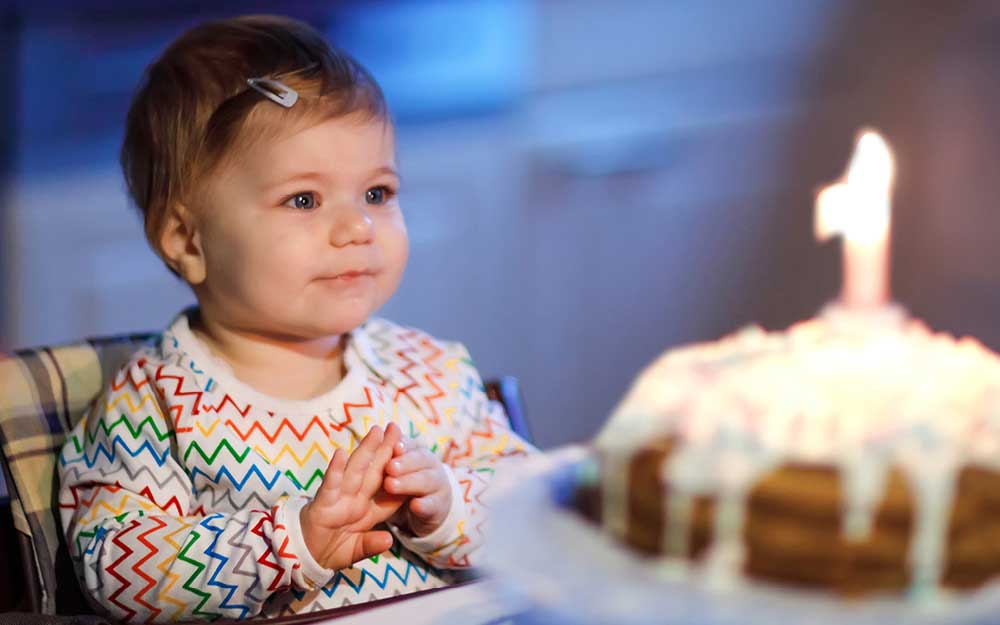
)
(284, 264)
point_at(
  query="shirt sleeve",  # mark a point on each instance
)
(472, 437)
(140, 550)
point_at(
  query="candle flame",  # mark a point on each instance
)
(871, 167)
(857, 207)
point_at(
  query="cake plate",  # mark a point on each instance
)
(548, 555)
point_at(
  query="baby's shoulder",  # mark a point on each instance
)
(152, 363)
(408, 355)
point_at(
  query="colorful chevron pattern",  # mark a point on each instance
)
(181, 488)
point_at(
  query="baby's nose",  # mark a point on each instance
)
(351, 225)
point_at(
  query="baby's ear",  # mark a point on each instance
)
(180, 243)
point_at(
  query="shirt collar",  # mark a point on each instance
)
(212, 375)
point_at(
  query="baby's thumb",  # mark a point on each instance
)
(372, 544)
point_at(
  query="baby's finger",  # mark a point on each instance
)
(393, 436)
(360, 460)
(373, 476)
(414, 460)
(371, 544)
(334, 475)
(403, 446)
(417, 483)
(429, 506)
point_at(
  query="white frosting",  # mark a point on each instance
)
(678, 508)
(860, 391)
(614, 494)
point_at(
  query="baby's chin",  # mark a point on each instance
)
(323, 323)
(312, 318)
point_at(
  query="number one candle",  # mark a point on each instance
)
(858, 208)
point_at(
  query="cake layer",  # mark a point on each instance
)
(793, 530)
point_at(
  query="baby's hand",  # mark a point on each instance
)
(337, 523)
(417, 473)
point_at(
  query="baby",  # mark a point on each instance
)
(276, 449)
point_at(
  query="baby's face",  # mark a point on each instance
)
(303, 238)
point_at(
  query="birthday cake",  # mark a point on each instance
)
(857, 452)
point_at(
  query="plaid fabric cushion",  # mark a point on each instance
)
(43, 394)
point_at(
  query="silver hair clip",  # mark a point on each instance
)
(275, 91)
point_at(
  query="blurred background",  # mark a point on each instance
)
(587, 182)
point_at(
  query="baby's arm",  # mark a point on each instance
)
(142, 551)
(465, 448)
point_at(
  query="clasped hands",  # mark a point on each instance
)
(386, 478)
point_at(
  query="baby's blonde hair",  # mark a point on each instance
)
(194, 109)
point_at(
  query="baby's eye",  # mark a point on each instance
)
(379, 195)
(302, 201)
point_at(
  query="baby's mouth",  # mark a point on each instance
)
(348, 276)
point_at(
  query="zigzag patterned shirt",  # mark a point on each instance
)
(181, 488)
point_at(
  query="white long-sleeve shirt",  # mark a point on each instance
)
(181, 488)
